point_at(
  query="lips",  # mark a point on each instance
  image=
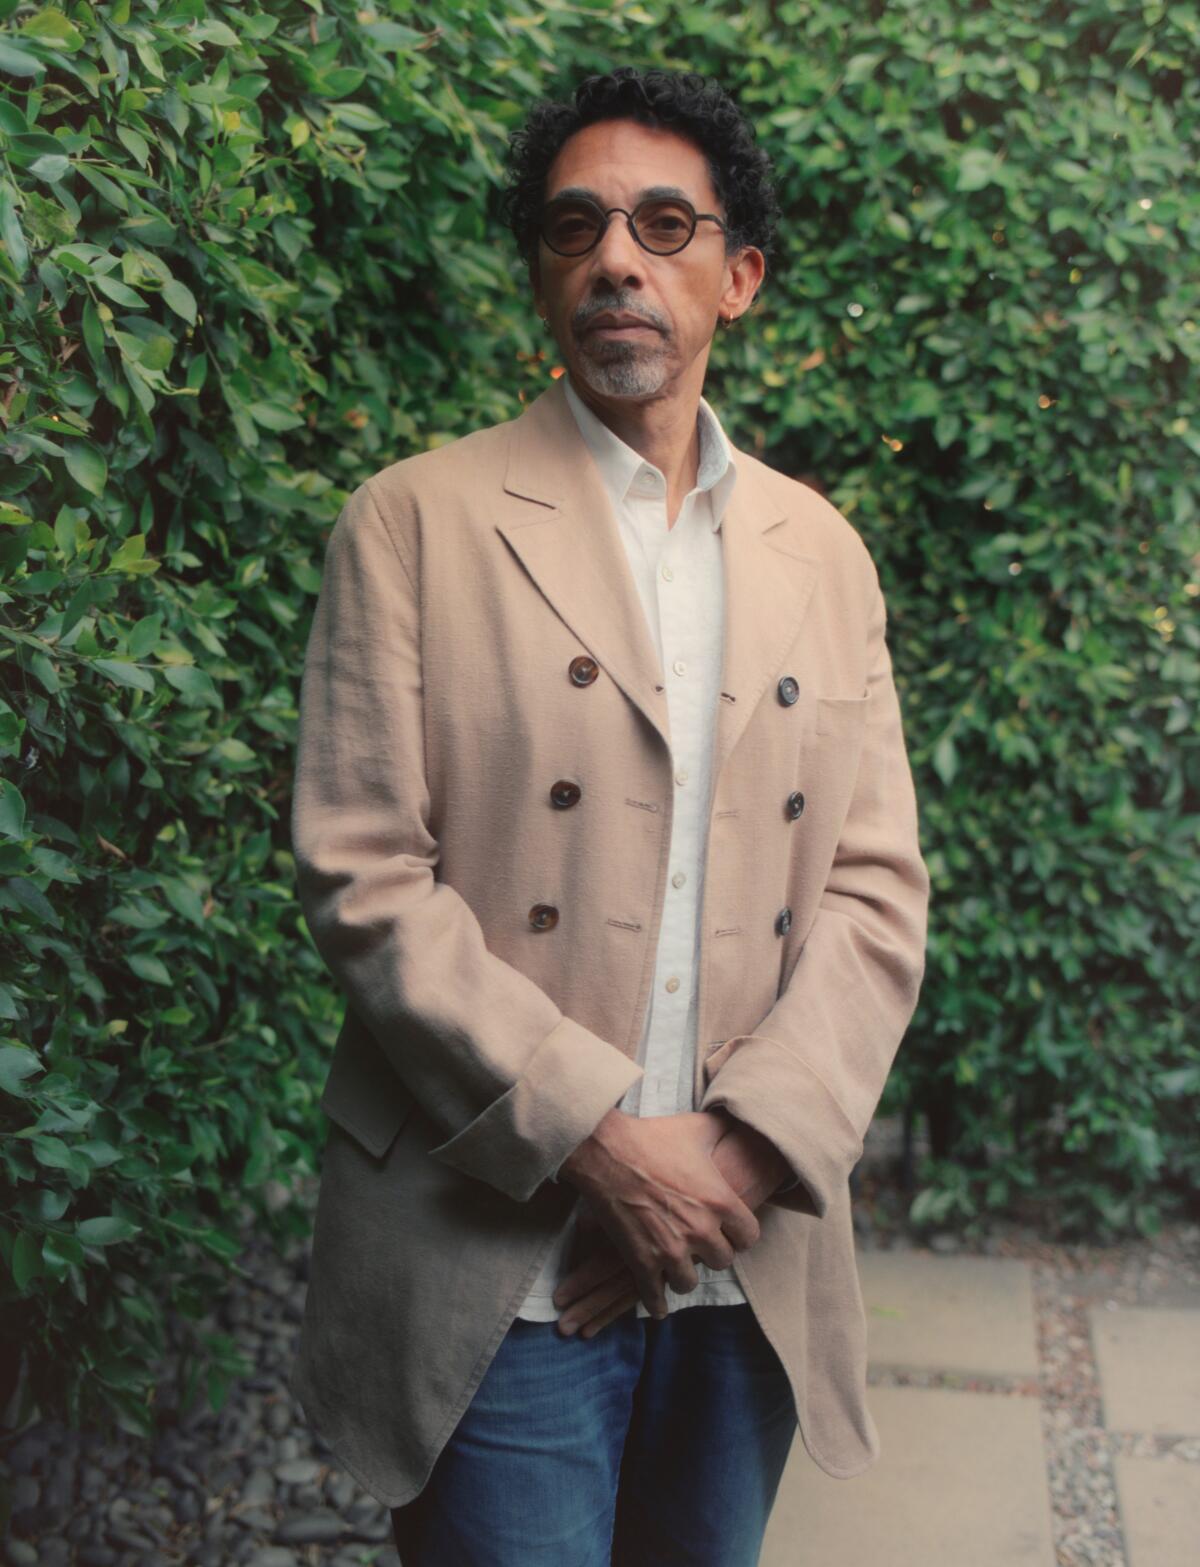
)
(607, 323)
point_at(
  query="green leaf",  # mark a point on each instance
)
(136, 143)
(357, 116)
(15, 61)
(977, 168)
(119, 293)
(144, 637)
(235, 750)
(52, 1152)
(51, 167)
(146, 966)
(125, 674)
(106, 1230)
(181, 300)
(10, 227)
(945, 760)
(272, 417)
(12, 810)
(51, 26)
(86, 466)
(129, 553)
(17, 1064)
(194, 683)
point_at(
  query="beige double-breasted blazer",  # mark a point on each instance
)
(478, 639)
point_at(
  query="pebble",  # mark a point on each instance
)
(259, 1488)
(310, 1528)
(298, 1471)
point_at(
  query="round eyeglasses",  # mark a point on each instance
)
(573, 225)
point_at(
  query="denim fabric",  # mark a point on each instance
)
(659, 1443)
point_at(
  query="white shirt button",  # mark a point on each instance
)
(668, 573)
(672, 983)
(678, 879)
(681, 776)
(679, 666)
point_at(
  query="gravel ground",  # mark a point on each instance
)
(252, 1485)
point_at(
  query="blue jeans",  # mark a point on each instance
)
(658, 1443)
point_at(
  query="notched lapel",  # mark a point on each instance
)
(768, 586)
(567, 539)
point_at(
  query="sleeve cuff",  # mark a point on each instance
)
(764, 1084)
(556, 1103)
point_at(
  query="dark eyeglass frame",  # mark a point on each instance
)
(605, 217)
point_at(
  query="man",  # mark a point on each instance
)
(604, 823)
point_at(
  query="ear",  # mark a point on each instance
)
(746, 270)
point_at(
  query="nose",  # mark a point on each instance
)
(618, 258)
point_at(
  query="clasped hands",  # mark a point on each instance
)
(658, 1194)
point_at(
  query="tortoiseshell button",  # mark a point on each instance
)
(583, 670)
(564, 793)
(789, 689)
(783, 922)
(543, 916)
(795, 804)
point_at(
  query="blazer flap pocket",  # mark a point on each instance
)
(837, 714)
(362, 1093)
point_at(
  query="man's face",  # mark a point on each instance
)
(674, 300)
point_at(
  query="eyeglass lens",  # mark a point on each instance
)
(573, 227)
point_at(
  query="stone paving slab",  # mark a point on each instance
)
(960, 1482)
(1160, 1511)
(969, 1314)
(1149, 1362)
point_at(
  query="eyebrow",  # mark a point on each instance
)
(649, 193)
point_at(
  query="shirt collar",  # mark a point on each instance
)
(620, 466)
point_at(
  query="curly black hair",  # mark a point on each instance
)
(682, 101)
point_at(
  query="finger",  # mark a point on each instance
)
(596, 1270)
(651, 1289)
(682, 1276)
(737, 1220)
(716, 1252)
(619, 1307)
(584, 1311)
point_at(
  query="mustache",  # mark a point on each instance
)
(586, 313)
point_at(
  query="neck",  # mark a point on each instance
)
(662, 429)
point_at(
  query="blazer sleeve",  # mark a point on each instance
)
(512, 1083)
(811, 1074)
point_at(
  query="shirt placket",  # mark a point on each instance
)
(675, 591)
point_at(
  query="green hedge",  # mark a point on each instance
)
(247, 260)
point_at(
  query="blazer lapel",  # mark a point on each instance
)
(768, 584)
(569, 543)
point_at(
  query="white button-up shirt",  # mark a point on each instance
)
(680, 580)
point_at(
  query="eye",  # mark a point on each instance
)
(570, 227)
(664, 222)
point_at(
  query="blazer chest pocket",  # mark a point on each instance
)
(841, 714)
(362, 1092)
